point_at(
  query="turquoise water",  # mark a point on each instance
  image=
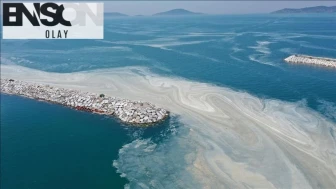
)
(61, 148)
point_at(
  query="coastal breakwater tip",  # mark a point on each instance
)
(304, 59)
(130, 112)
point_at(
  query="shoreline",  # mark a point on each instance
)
(127, 111)
(311, 60)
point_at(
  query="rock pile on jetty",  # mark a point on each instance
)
(303, 59)
(133, 112)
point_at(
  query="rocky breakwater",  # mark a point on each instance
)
(132, 112)
(303, 59)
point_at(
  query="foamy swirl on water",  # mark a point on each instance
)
(234, 139)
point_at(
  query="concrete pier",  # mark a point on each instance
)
(303, 59)
(132, 112)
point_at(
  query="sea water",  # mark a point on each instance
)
(49, 145)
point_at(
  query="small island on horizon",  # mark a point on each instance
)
(173, 12)
(184, 12)
(316, 9)
(176, 12)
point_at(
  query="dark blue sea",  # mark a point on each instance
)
(50, 146)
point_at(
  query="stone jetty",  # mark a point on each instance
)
(304, 59)
(132, 112)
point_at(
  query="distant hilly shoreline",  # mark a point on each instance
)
(184, 12)
(173, 12)
(316, 9)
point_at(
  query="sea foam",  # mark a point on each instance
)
(232, 139)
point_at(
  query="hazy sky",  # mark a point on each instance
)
(211, 7)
